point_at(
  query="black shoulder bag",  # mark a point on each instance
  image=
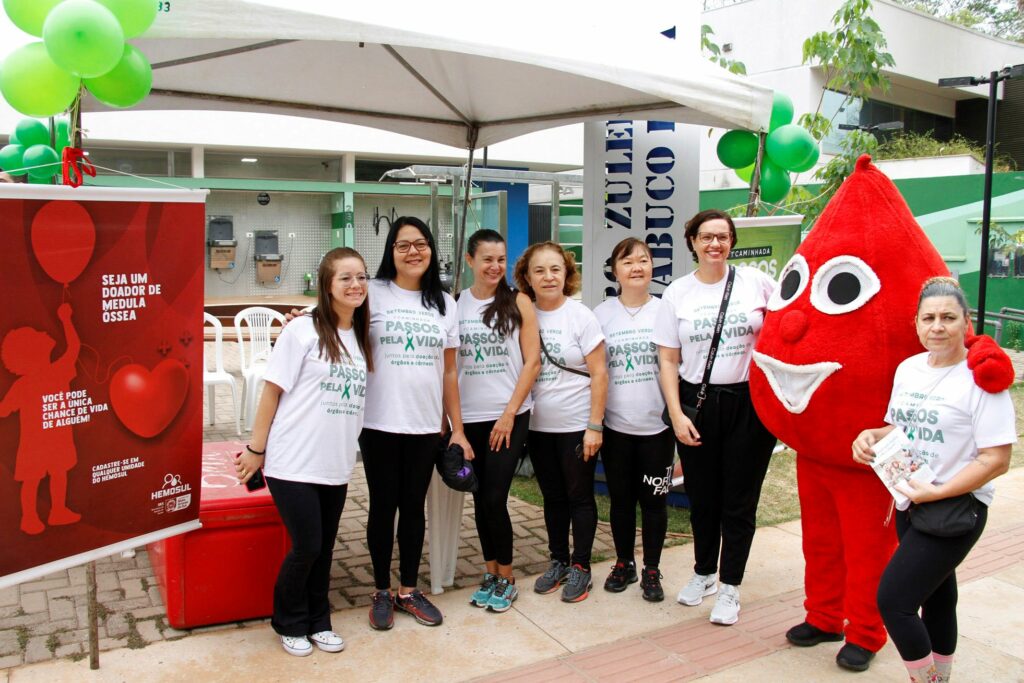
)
(693, 412)
(544, 348)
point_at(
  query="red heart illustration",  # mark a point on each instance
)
(146, 402)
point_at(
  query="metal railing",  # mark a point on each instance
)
(996, 320)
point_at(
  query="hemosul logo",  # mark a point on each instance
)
(172, 486)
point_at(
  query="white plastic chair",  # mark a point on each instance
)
(218, 375)
(254, 323)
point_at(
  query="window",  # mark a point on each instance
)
(839, 109)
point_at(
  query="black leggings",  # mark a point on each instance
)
(398, 470)
(310, 513)
(922, 576)
(567, 484)
(494, 471)
(638, 469)
(724, 476)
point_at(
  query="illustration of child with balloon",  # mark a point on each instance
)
(45, 448)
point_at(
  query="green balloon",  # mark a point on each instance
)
(737, 148)
(34, 85)
(782, 110)
(11, 159)
(746, 173)
(809, 162)
(29, 15)
(126, 84)
(135, 16)
(62, 126)
(775, 182)
(791, 146)
(44, 156)
(84, 38)
(31, 132)
(38, 180)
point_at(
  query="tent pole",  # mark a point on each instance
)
(460, 232)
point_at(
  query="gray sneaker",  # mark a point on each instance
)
(577, 584)
(699, 587)
(549, 581)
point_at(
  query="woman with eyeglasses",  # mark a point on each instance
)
(413, 390)
(725, 454)
(499, 359)
(304, 437)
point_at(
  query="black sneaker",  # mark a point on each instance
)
(806, 635)
(549, 581)
(622, 574)
(854, 657)
(577, 584)
(651, 585)
(419, 607)
(382, 616)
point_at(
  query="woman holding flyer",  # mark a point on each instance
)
(964, 435)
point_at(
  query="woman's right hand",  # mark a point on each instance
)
(862, 445)
(292, 315)
(684, 430)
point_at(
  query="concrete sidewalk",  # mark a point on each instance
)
(608, 636)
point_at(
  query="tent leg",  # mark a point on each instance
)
(460, 231)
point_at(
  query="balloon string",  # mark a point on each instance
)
(95, 374)
(141, 177)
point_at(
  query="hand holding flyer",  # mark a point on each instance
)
(896, 464)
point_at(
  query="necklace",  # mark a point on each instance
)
(632, 314)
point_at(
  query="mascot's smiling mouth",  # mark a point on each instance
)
(794, 385)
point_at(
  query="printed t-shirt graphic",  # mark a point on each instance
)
(635, 403)
(489, 363)
(408, 342)
(313, 436)
(562, 399)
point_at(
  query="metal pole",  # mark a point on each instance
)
(93, 613)
(755, 179)
(460, 230)
(986, 204)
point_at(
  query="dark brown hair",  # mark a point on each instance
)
(501, 315)
(325, 320)
(693, 225)
(572, 274)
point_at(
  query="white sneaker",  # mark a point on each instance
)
(700, 585)
(328, 641)
(727, 607)
(298, 646)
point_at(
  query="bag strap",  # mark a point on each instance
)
(702, 393)
(544, 348)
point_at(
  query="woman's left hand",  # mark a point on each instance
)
(921, 492)
(501, 433)
(592, 441)
(460, 438)
(246, 464)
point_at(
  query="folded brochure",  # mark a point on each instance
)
(896, 463)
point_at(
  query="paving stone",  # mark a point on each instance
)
(149, 631)
(117, 625)
(9, 642)
(62, 609)
(9, 596)
(37, 650)
(44, 584)
(10, 661)
(70, 649)
(133, 589)
(34, 603)
(69, 592)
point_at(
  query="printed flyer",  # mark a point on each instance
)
(101, 375)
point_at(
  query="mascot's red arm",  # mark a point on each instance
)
(992, 368)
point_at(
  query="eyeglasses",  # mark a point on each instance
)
(347, 280)
(708, 237)
(419, 245)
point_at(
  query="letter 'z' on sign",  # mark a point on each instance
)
(263, 198)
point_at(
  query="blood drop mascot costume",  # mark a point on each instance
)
(837, 327)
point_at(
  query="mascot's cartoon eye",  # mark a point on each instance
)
(792, 283)
(843, 284)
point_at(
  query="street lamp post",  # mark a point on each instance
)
(993, 80)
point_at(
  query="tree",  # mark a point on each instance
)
(1000, 18)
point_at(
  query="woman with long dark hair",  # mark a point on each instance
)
(499, 359)
(638, 447)
(304, 438)
(412, 391)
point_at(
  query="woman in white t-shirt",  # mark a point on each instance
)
(499, 359)
(414, 336)
(965, 435)
(725, 455)
(638, 447)
(568, 412)
(304, 437)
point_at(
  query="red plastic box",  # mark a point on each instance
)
(226, 570)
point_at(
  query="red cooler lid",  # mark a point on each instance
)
(221, 490)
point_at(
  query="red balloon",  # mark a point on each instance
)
(63, 237)
(147, 402)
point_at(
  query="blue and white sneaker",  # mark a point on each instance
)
(482, 595)
(505, 593)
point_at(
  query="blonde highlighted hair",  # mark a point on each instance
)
(522, 269)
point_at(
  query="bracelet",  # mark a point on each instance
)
(595, 428)
(249, 448)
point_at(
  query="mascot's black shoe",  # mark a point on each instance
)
(806, 635)
(854, 657)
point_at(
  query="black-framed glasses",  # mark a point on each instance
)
(709, 237)
(403, 247)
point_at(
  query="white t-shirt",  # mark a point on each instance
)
(635, 403)
(687, 322)
(489, 363)
(561, 400)
(948, 417)
(320, 414)
(408, 342)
